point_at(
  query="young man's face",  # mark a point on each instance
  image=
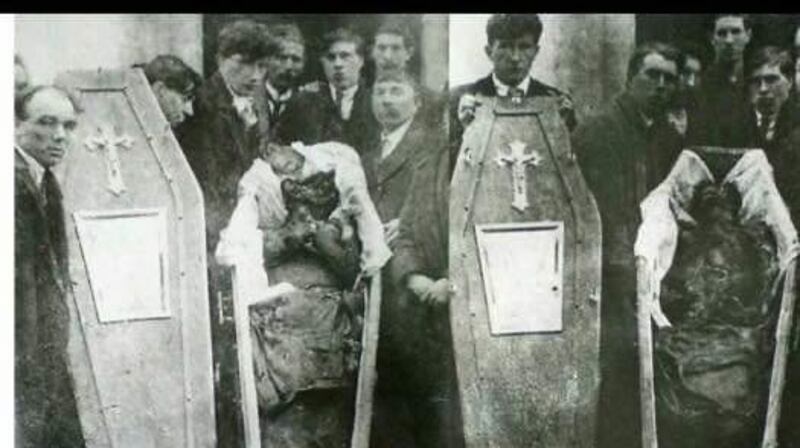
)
(512, 58)
(175, 105)
(390, 53)
(768, 89)
(241, 75)
(393, 103)
(286, 67)
(730, 38)
(47, 131)
(342, 65)
(655, 83)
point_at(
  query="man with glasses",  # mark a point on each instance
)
(624, 152)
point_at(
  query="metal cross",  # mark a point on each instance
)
(519, 161)
(103, 141)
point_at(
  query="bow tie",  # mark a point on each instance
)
(244, 108)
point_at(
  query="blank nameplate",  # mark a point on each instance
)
(125, 252)
(522, 265)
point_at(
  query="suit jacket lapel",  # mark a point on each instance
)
(406, 147)
(485, 87)
(23, 173)
(234, 125)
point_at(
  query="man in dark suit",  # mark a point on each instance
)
(389, 167)
(221, 139)
(45, 404)
(221, 142)
(426, 399)
(337, 109)
(284, 68)
(722, 93)
(624, 152)
(513, 43)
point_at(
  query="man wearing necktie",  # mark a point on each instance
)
(407, 392)
(512, 46)
(45, 404)
(624, 152)
(284, 68)
(221, 139)
(337, 109)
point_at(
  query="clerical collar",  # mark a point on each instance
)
(391, 139)
(503, 89)
(277, 96)
(36, 169)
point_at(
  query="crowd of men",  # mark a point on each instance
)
(673, 98)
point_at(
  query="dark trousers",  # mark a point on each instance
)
(619, 420)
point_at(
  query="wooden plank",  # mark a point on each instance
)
(525, 389)
(366, 369)
(147, 382)
(644, 300)
(783, 334)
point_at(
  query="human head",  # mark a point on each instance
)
(342, 58)
(691, 68)
(285, 66)
(242, 52)
(769, 72)
(392, 46)
(395, 99)
(21, 77)
(730, 35)
(45, 119)
(653, 76)
(513, 43)
(174, 84)
(283, 158)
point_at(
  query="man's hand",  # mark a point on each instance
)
(391, 230)
(430, 291)
(466, 109)
(327, 240)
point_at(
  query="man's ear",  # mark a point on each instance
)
(749, 33)
(488, 50)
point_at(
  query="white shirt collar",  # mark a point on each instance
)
(392, 139)
(772, 120)
(502, 89)
(348, 95)
(35, 168)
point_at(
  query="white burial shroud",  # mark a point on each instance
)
(260, 208)
(657, 239)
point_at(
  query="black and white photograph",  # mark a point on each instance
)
(276, 230)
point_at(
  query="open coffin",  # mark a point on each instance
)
(272, 369)
(712, 364)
